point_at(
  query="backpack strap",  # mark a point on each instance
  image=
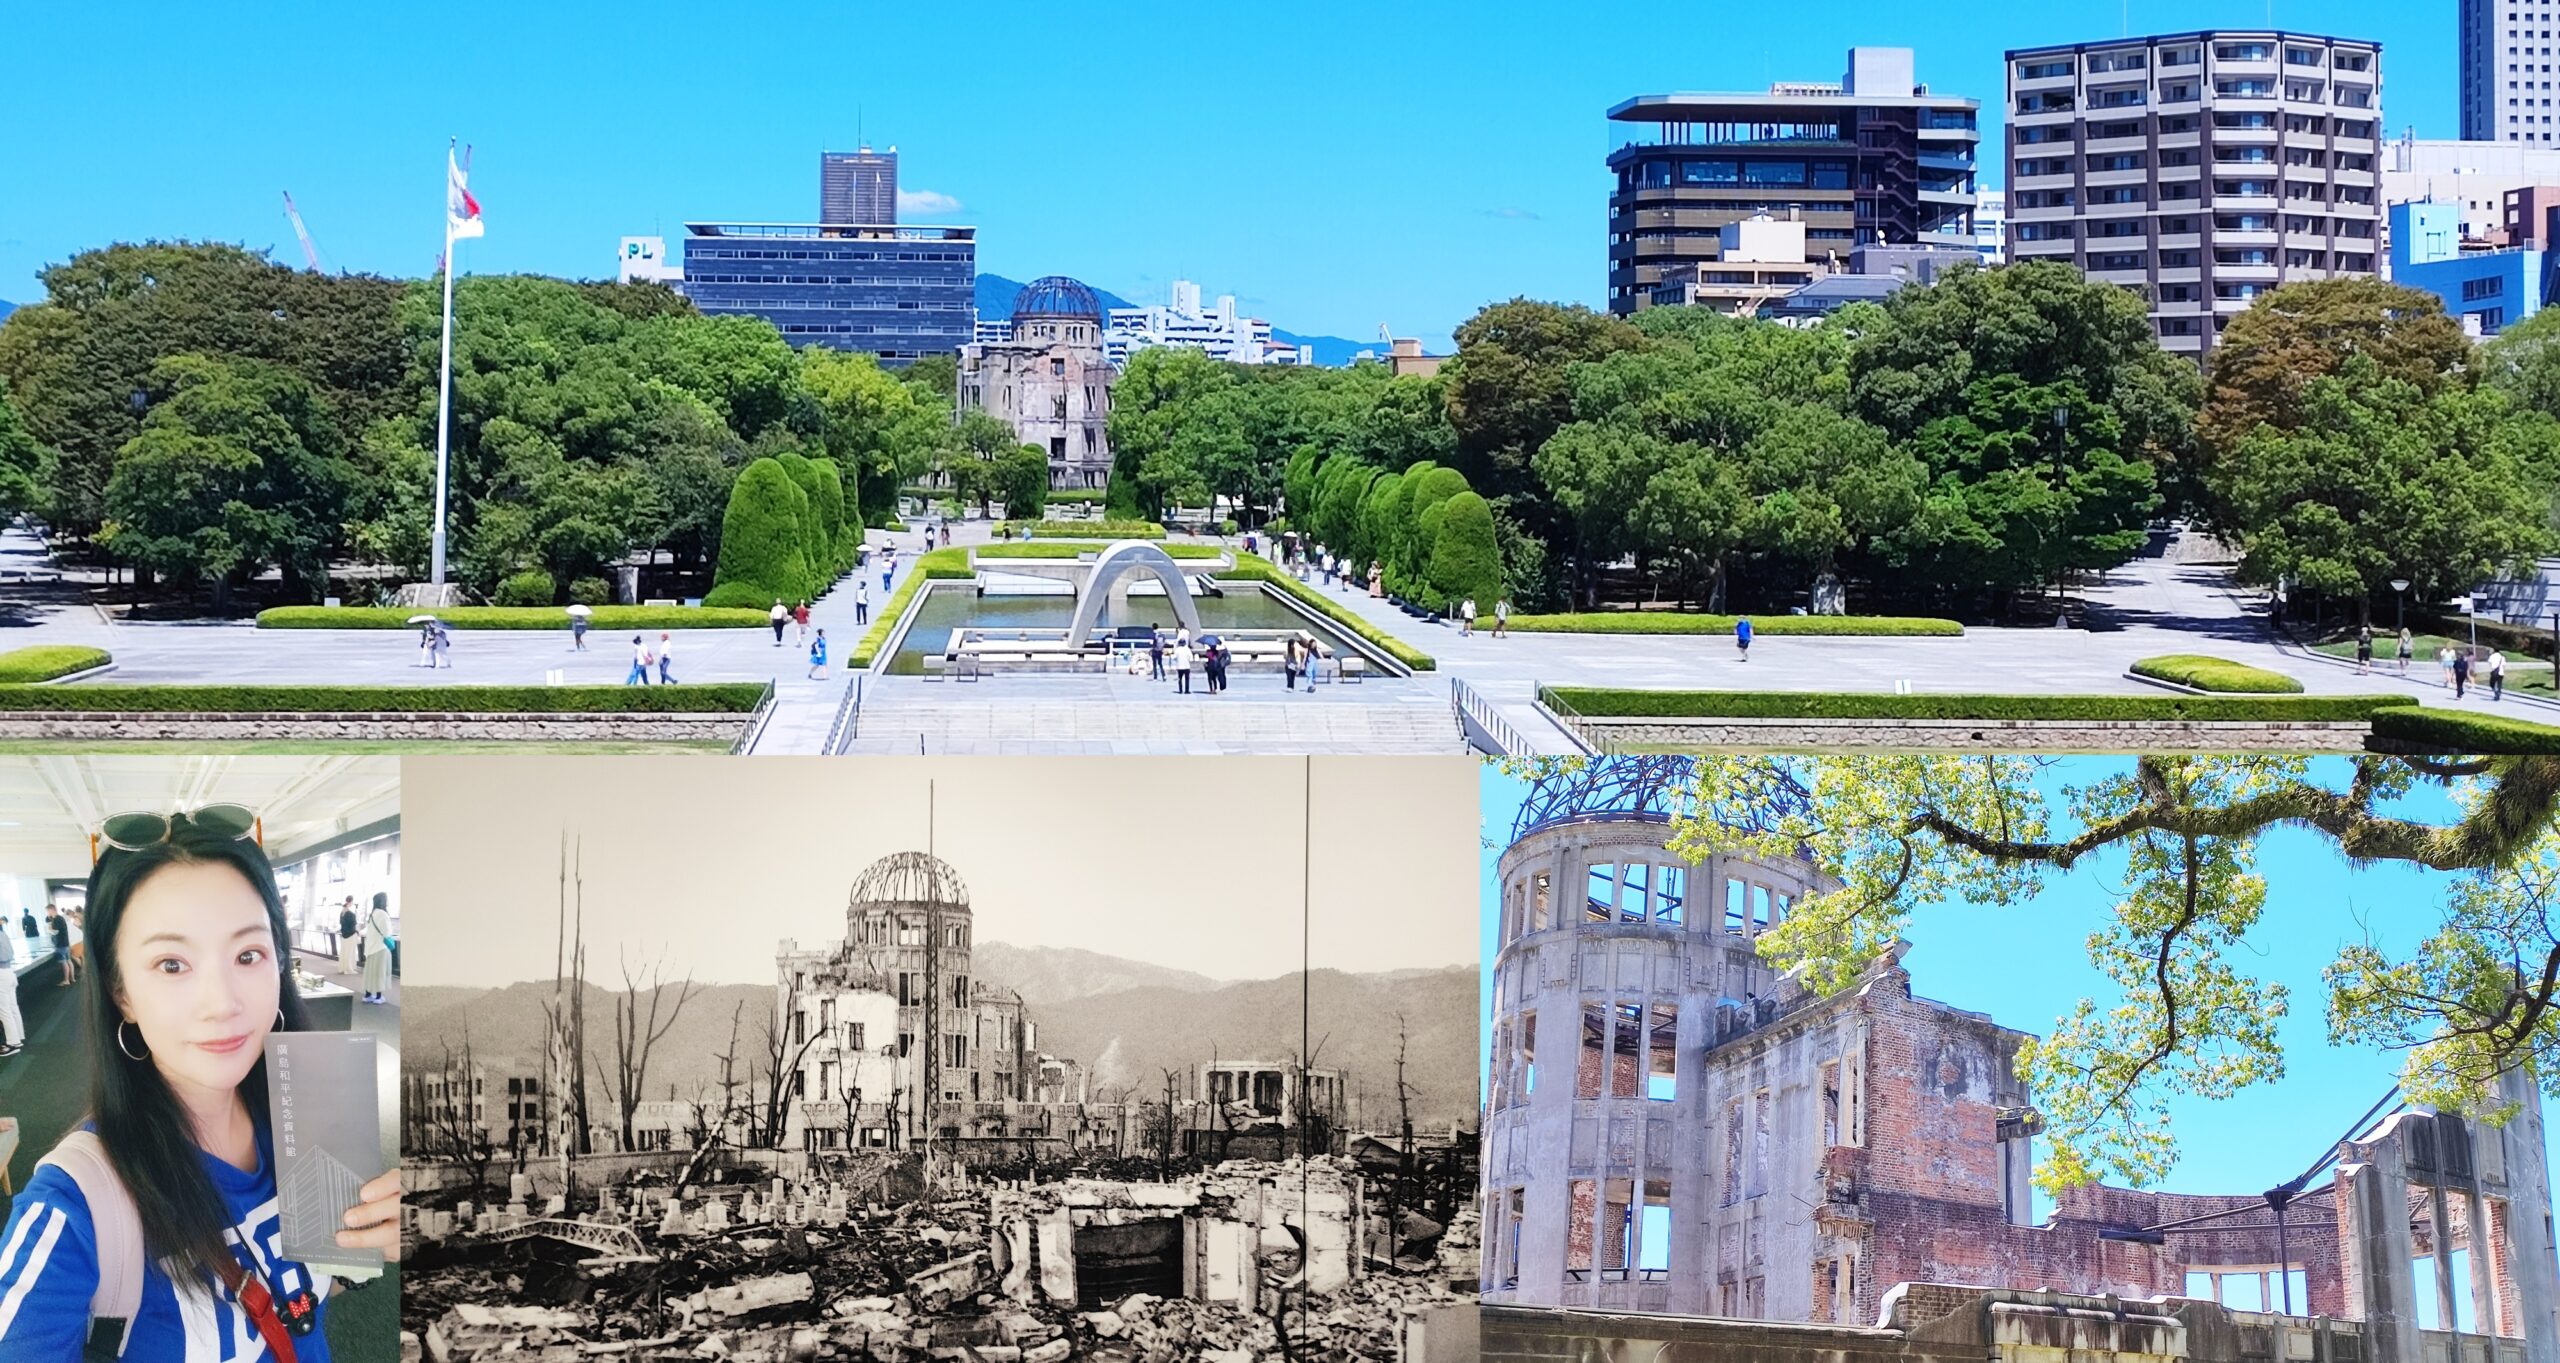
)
(117, 1224)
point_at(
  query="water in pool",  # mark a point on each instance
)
(957, 607)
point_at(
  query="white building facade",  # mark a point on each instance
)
(2477, 175)
(1219, 331)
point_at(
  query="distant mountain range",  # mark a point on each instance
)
(1126, 1020)
(995, 304)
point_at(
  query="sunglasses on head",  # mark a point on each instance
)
(141, 829)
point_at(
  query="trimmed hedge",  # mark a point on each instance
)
(44, 662)
(2205, 672)
(1059, 549)
(706, 698)
(2465, 732)
(1762, 626)
(1464, 564)
(512, 617)
(1086, 530)
(532, 587)
(1622, 703)
(934, 565)
(1255, 568)
(766, 534)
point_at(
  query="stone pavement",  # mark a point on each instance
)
(2152, 606)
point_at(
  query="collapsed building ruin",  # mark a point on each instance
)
(1707, 1139)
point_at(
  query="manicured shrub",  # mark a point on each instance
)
(817, 543)
(763, 536)
(2462, 731)
(740, 596)
(44, 662)
(532, 587)
(718, 697)
(517, 617)
(1611, 702)
(827, 492)
(590, 591)
(1087, 530)
(2207, 673)
(1465, 562)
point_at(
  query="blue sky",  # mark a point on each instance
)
(2025, 965)
(1336, 166)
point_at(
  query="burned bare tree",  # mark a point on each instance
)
(451, 1127)
(787, 1039)
(635, 1036)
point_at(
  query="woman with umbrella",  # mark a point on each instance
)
(578, 617)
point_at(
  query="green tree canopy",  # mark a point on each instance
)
(763, 546)
(2262, 370)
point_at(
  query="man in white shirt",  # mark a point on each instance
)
(13, 1024)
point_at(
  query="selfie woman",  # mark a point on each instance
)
(151, 1232)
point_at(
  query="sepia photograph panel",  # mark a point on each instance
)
(1022, 1057)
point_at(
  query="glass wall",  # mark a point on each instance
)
(316, 887)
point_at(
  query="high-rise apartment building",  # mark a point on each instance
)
(1873, 158)
(858, 186)
(2201, 168)
(2506, 71)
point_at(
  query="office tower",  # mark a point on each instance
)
(858, 186)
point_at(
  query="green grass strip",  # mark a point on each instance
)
(1086, 530)
(510, 617)
(1071, 549)
(1762, 626)
(2465, 732)
(1615, 703)
(104, 698)
(44, 662)
(1255, 568)
(934, 565)
(2205, 672)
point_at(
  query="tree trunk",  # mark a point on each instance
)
(1715, 586)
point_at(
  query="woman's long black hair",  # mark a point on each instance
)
(148, 1135)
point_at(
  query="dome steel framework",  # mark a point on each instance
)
(1057, 296)
(910, 878)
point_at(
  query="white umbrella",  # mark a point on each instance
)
(422, 619)
(582, 610)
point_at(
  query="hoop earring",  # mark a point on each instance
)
(279, 1017)
(128, 1053)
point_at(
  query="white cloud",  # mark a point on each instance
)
(928, 202)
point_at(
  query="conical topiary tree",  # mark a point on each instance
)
(829, 497)
(763, 550)
(815, 543)
(1466, 563)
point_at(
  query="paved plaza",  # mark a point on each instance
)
(2150, 607)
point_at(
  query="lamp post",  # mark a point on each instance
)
(2399, 603)
(2061, 437)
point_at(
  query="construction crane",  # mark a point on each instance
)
(310, 252)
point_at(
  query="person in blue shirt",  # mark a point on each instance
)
(1742, 637)
(192, 971)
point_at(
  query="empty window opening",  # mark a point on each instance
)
(1600, 897)
(1735, 894)
(1653, 1232)
(1634, 901)
(1538, 903)
(1831, 1103)
(1629, 1055)
(2259, 1287)
(1515, 1210)
(1662, 1077)
(1528, 1075)
(1586, 1079)
(1671, 894)
(1584, 1198)
(1759, 908)
(2423, 1270)
(1617, 1226)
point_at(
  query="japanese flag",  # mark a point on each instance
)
(461, 211)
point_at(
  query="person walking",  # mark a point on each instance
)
(1377, 578)
(79, 942)
(639, 673)
(577, 634)
(2444, 663)
(60, 927)
(348, 943)
(1742, 637)
(377, 949)
(1289, 664)
(1467, 618)
(1501, 615)
(1155, 656)
(2408, 649)
(1182, 666)
(888, 565)
(2497, 673)
(781, 615)
(800, 616)
(2461, 671)
(2364, 649)
(13, 1023)
(427, 643)
(861, 601)
(818, 656)
(443, 645)
(666, 658)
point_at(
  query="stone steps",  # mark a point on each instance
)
(1174, 727)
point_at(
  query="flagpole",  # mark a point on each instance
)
(444, 402)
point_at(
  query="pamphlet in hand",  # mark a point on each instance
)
(323, 1103)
